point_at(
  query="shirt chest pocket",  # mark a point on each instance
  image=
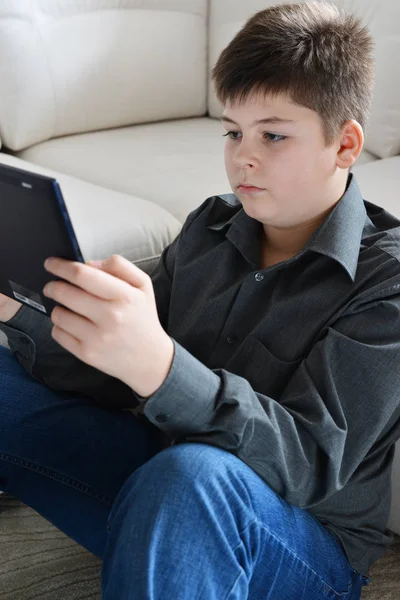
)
(266, 373)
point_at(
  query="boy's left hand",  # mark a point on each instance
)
(109, 320)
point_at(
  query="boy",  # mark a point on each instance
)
(261, 355)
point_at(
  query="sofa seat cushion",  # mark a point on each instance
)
(107, 222)
(366, 157)
(379, 183)
(174, 164)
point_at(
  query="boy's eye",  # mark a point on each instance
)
(274, 137)
(269, 137)
(232, 134)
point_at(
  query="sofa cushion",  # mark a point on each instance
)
(379, 183)
(365, 158)
(84, 65)
(108, 222)
(382, 18)
(175, 164)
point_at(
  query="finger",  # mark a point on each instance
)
(77, 300)
(75, 325)
(67, 341)
(120, 267)
(95, 281)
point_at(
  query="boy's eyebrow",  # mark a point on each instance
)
(269, 121)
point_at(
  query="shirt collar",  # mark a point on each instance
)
(339, 236)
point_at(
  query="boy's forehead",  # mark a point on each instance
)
(266, 108)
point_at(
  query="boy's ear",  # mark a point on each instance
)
(350, 144)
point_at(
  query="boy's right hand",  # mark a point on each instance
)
(8, 308)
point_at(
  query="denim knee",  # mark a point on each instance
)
(193, 461)
(187, 470)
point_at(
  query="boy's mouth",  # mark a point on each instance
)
(249, 189)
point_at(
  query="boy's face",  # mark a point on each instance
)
(289, 161)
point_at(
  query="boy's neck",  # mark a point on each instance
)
(288, 242)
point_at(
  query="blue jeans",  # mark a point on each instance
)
(184, 521)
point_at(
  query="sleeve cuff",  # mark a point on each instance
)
(25, 331)
(185, 402)
(26, 321)
(19, 315)
(18, 338)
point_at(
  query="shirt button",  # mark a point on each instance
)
(231, 339)
(161, 418)
(259, 276)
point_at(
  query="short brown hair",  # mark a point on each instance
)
(312, 52)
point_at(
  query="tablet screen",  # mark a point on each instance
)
(34, 224)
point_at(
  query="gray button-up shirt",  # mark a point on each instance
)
(294, 368)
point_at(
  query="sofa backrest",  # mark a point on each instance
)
(70, 66)
(382, 18)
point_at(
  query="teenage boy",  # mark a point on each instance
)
(261, 359)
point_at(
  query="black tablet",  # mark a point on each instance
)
(34, 225)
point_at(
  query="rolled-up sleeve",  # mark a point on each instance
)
(342, 399)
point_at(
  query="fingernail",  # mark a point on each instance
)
(48, 262)
(95, 263)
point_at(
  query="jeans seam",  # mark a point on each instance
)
(232, 588)
(326, 585)
(234, 550)
(56, 476)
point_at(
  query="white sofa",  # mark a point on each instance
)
(114, 98)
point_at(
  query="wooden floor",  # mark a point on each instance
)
(39, 562)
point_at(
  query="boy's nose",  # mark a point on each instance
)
(244, 160)
(245, 157)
